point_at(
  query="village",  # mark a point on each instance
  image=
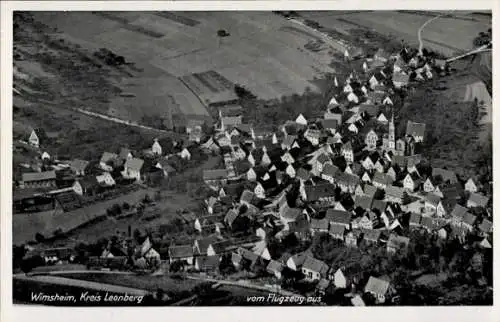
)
(345, 180)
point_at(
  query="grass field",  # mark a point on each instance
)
(259, 53)
(445, 35)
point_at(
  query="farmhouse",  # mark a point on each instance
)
(105, 179)
(133, 169)
(338, 217)
(314, 269)
(86, 186)
(79, 166)
(378, 288)
(207, 263)
(108, 161)
(181, 253)
(45, 179)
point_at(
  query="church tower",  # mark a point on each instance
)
(392, 133)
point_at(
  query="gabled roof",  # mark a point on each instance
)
(215, 174)
(396, 241)
(134, 164)
(432, 199)
(124, 153)
(486, 226)
(415, 218)
(382, 178)
(459, 212)
(347, 179)
(393, 191)
(364, 202)
(38, 176)
(329, 123)
(247, 196)
(108, 156)
(290, 213)
(415, 129)
(330, 170)
(379, 205)
(315, 265)
(288, 140)
(469, 219)
(400, 78)
(319, 224)
(318, 191)
(370, 190)
(336, 229)
(181, 251)
(303, 174)
(479, 199)
(78, 164)
(377, 286)
(275, 266)
(338, 216)
(371, 234)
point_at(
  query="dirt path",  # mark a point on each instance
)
(419, 33)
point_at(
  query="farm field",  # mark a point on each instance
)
(445, 35)
(261, 52)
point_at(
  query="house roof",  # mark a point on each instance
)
(330, 170)
(230, 121)
(379, 205)
(315, 265)
(215, 174)
(288, 140)
(88, 182)
(108, 156)
(211, 262)
(318, 191)
(432, 199)
(469, 219)
(377, 286)
(38, 176)
(364, 202)
(370, 190)
(459, 212)
(382, 178)
(180, 251)
(395, 192)
(124, 153)
(486, 226)
(479, 199)
(166, 166)
(329, 123)
(231, 215)
(247, 196)
(371, 234)
(319, 224)
(248, 255)
(336, 229)
(338, 216)
(78, 164)
(203, 243)
(415, 218)
(370, 109)
(290, 213)
(303, 174)
(346, 178)
(275, 266)
(415, 129)
(134, 164)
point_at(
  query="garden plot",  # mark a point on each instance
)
(210, 87)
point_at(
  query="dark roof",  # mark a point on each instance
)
(329, 123)
(338, 216)
(379, 205)
(318, 191)
(346, 178)
(432, 199)
(319, 224)
(330, 170)
(415, 218)
(393, 191)
(290, 213)
(364, 202)
(459, 211)
(303, 174)
(134, 164)
(370, 190)
(469, 219)
(216, 174)
(78, 164)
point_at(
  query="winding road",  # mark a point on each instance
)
(419, 33)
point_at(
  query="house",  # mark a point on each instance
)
(296, 261)
(290, 171)
(312, 136)
(330, 172)
(247, 197)
(366, 178)
(182, 253)
(471, 186)
(375, 80)
(378, 288)
(323, 193)
(429, 185)
(347, 152)
(215, 177)
(371, 140)
(156, 148)
(288, 142)
(105, 179)
(394, 194)
(229, 122)
(301, 120)
(337, 231)
(397, 243)
(251, 175)
(314, 269)
(37, 137)
(351, 238)
(412, 181)
(415, 130)
(108, 161)
(338, 217)
(288, 214)
(259, 191)
(303, 175)
(133, 169)
(357, 301)
(146, 251)
(469, 221)
(205, 246)
(86, 186)
(381, 180)
(371, 236)
(347, 182)
(400, 79)
(125, 154)
(207, 263)
(230, 217)
(477, 200)
(319, 226)
(382, 118)
(364, 202)
(79, 166)
(458, 214)
(185, 154)
(210, 146)
(275, 268)
(46, 179)
(45, 155)
(167, 169)
(415, 220)
(486, 227)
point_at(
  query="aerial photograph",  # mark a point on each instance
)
(252, 158)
